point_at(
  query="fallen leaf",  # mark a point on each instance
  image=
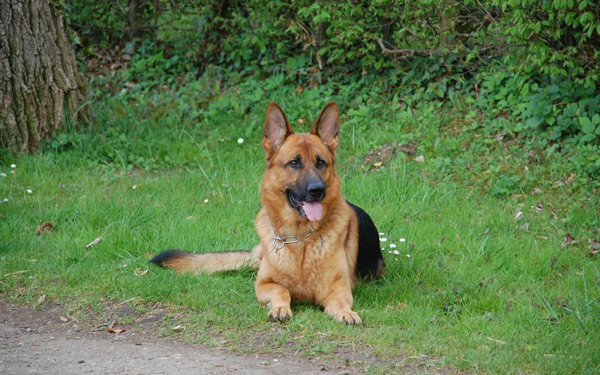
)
(93, 243)
(379, 156)
(139, 272)
(570, 179)
(525, 227)
(46, 226)
(420, 159)
(115, 330)
(42, 299)
(594, 247)
(399, 306)
(178, 328)
(518, 215)
(536, 191)
(569, 240)
(539, 207)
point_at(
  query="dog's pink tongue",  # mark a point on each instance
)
(313, 210)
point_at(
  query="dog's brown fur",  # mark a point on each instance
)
(320, 267)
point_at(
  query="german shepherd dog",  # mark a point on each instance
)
(314, 245)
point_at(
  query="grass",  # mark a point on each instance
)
(471, 287)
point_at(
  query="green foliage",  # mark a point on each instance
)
(524, 70)
(556, 115)
(561, 37)
(556, 38)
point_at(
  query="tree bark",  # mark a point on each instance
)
(446, 13)
(39, 82)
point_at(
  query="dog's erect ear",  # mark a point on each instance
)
(327, 126)
(277, 129)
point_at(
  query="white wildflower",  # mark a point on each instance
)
(29, 191)
(403, 240)
(3, 174)
(13, 166)
(396, 252)
(240, 141)
(392, 245)
(206, 201)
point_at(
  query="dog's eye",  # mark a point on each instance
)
(321, 163)
(295, 163)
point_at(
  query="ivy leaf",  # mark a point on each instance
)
(533, 122)
(588, 137)
(586, 125)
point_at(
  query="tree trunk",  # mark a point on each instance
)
(446, 13)
(39, 82)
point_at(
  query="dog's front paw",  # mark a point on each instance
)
(348, 317)
(280, 313)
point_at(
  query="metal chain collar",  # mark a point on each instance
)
(280, 242)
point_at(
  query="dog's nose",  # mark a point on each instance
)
(316, 190)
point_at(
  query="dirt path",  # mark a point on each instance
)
(38, 342)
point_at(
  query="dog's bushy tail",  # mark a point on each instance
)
(184, 262)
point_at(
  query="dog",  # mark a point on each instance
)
(314, 245)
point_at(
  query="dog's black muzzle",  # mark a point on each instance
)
(314, 191)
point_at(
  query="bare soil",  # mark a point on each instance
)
(36, 341)
(42, 341)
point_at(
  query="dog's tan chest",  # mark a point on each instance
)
(308, 269)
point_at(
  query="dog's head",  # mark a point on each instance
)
(300, 172)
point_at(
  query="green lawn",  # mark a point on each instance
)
(475, 285)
